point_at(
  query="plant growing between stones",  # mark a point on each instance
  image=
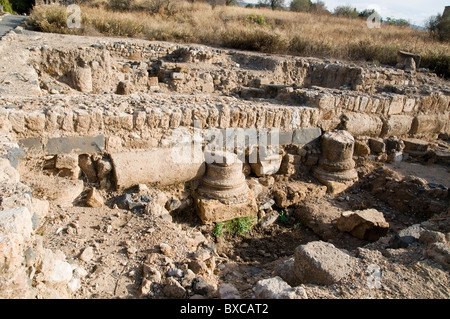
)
(238, 226)
(284, 219)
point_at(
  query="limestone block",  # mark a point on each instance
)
(267, 166)
(158, 166)
(427, 124)
(321, 263)
(94, 199)
(359, 124)
(82, 79)
(214, 211)
(367, 224)
(306, 136)
(35, 121)
(88, 144)
(8, 174)
(397, 125)
(277, 288)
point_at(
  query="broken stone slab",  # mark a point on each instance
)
(64, 191)
(321, 263)
(320, 216)
(377, 145)
(269, 219)
(62, 145)
(366, 224)
(269, 165)
(415, 145)
(87, 166)
(31, 144)
(228, 291)
(94, 199)
(440, 252)
(277, 288)
(406, 237)
(156, 166)
(285, 270)
(291, 193)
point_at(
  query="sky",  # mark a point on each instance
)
(415, 11)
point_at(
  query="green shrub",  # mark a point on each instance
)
(7, 7)
(439, 27)
(218, 229)
(240, 225)
(346, 11)
(283, 217)
(300, 5)
(255, 18)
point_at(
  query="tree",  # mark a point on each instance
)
(7, 7)
(319, 7)
(273, 4)
(346, 11)
(439, 27)
(366, 13)
(301, 5)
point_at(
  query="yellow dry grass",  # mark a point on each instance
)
(264, 30)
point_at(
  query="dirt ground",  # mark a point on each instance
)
(123, 241)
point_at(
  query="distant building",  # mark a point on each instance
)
(446, 12)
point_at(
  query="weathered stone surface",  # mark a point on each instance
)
(291, 193)
(397, 125)
(8, 173)
(360, 124)
(153, 167)
(321, 263)
(320, 216)
(65, 191)
(306, 136)
(87, 166)
(336, 165)
(377, 145)
(214, 211)
(61, 145)
(124, 88)
(173, 289)
(285, 270)
(94, 199)
(228, 291)
(32, 144)
(362, 148)
(440, 252)
(82, 79)
(367, 224)
(277, 288)
(269, 165)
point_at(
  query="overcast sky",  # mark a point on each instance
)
(416, 11)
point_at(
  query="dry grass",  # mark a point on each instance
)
(262, 30)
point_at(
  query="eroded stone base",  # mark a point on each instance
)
(214, 211)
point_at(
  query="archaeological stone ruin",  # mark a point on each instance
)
(244, 134)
